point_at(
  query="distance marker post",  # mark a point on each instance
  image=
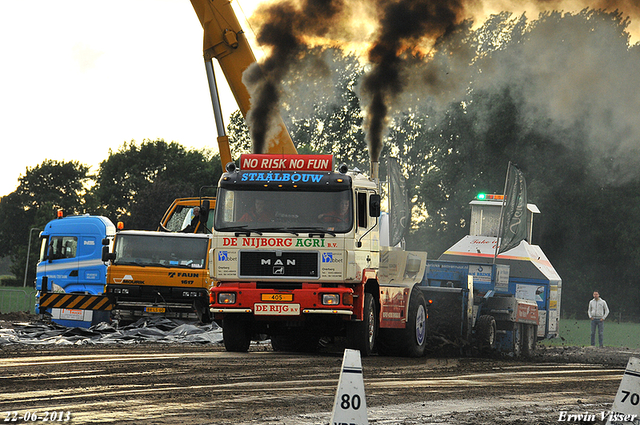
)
(626, 406)
(350, 405)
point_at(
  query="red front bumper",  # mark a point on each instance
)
(291, 304)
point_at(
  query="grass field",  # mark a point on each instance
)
(14, 299)
(578, 333)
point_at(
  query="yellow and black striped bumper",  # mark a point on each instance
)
(75, 301)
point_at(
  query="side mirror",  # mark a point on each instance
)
(106, 255)
(204, 211)
(374, 205)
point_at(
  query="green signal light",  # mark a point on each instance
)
(482, 196)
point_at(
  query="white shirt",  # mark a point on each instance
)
(598, 309)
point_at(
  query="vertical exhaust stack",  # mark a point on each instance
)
(374, 170)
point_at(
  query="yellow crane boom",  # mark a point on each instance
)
(225, 41)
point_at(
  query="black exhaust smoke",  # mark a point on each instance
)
(283, 29)
(402, 24)
(403, 27)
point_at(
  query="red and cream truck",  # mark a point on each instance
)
(298, 257)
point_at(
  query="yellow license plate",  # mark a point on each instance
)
(277, 297)
(154, 309)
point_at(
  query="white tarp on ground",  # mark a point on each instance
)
(158, 329)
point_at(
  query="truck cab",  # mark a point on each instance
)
(70, 262)
(153, 273)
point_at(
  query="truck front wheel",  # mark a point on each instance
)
(236, 333)
(362, 335)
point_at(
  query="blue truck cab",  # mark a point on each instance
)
(71, 262)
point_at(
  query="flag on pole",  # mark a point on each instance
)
(399, 211)
(514, 211)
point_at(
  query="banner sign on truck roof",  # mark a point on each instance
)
(286, 162)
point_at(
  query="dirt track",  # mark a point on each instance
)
(198, 384)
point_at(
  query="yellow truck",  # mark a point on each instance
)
(153, 273)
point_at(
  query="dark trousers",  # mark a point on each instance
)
(597, 323)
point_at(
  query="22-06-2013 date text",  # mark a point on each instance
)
(28, 416)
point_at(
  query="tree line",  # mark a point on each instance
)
(509, 90)
(135, 185)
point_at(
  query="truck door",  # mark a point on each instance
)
(92, 271)
(59, 264)
(366, 231)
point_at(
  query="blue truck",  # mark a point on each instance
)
(70, 274)
(502, 303)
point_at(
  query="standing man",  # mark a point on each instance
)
(598, 311)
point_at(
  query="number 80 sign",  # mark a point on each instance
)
(350, 405)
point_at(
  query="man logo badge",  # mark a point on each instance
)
(279, 270)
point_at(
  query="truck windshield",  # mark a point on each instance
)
(288, 211)
(181, 218)
(159, 250)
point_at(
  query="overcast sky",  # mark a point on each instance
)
(79, 77)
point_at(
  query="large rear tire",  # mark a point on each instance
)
(363, 335)
(486, 330)
(530, 340)
(518, 330)
(236, 333)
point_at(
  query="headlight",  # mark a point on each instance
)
(330, 299)
(227, 298)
